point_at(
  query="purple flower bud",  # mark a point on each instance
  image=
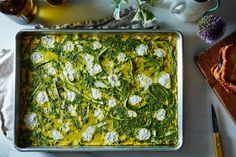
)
(211, 28)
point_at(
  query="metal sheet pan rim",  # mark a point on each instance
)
(106, 148)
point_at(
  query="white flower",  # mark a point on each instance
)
(143, 134)
(112, 102)
(142, 49)
(69, 46)
(133, 99)
(96, 45)
(56, 135)
(111, 137)
(144, 81)
(132, 114)
(159, 53)
(96, 94)
(114, 80)
(164, 80)
(36, 57)
(48, 42)
(42, 97)
(160, 114)
(30, 120)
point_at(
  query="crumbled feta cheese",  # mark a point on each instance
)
(48, 42)
(96, 93)
(36, 57)
(133, 99)
(88, 134)
(100, 84)
(98, 114)
(142, 49)
(70, 95)
(144, 81)
(121, 57)
(96, 45)
(164, 80)
(112, 102)
(111, 137)
(159, 53)
(51, 70)
(56, 135)
(160, 114)
(95, 69)
(132, 114)
(42, 97)
(30, 120)
(114, 80)
(72, 110)
(143, 134)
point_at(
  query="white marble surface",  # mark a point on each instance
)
(198, 137)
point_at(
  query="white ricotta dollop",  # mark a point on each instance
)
(96, 45)
(159, 53)
(164, 80)
(133, 99)
(51, 70)
(114, 80)
(72, 110)
(132, 114)
(111, 137)
(100, 84)
(121, 57)
(142, 49)
(88, 59)
(66, 127)
(143, 134)
(112, 102)
(144, 81)
(70, 95)
(36, 57)
(69, 71)
(88, 134)
(48, 41)
(30, 120)
(95, 69)
(160, 114)
(42, 97)
(79, 47)
(96, 94)
(69, 46)
(56, 135)
(98, 114)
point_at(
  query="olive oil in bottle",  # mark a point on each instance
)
(21, 11)
(56, 2)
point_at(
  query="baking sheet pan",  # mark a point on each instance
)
(99, 148)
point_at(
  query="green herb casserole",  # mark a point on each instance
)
(98, 89)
